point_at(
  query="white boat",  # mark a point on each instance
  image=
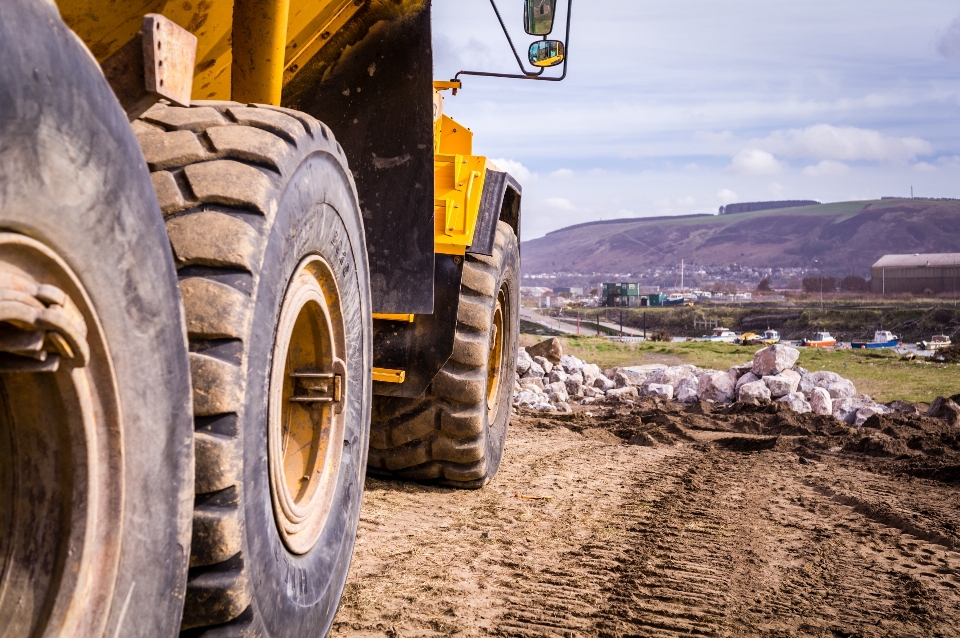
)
(881, 339)
(820, 340)
(936, 342)
(721, 335)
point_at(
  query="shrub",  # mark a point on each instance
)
(661, 335)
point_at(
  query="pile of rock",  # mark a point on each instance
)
(547, 379)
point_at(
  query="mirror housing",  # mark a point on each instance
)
(546, 53)
(538, 16)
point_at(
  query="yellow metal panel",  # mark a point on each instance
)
(389, 317)
(455, 138)
(458, 187)
(312, 25)
(389, 376)
(259, 39)
(106, 25)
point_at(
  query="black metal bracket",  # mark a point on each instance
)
(527, 75)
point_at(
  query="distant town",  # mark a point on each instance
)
(688, 284)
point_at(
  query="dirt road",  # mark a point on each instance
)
(700, 530)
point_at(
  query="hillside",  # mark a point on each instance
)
(848, 236)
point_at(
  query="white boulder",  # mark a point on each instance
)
(535, 371)
(660, 390)
(570, 364)
(534, 384)
(590, 371)
(543, 363)
(753, 391)
(782, 384)
(749, 377)
(574, 384)
(523, 361)
(774, 359)
(797, 402)
(841, 389)
(626, 392)
(557, 392)
(820, 401)
(557, 375)
(686, 391)
(717, 386)
(603, 383)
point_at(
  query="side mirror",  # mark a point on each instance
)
(538, 16)
(544, 53)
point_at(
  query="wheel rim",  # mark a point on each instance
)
(61, 463)
(495, 360)
(308, 387)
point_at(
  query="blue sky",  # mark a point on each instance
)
(680, 106)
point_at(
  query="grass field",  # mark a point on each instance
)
(878, 373)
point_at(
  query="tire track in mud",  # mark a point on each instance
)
(714, 543)
(680, 539)
(661, 573)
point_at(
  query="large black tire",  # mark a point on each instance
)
(94, 514)
(248, 193)
(455, 434)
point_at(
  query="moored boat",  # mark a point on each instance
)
(721, 335)
(820, 340)
(881, 339)
(770, 337)
(936, 342)
(676, 299)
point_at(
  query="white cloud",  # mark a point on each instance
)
(923, 167)
(687, 201)
(623, 212)
(826, 168)
(518, 170)
(776, 190)
(823, 141)
(753, 161)
(560, 203)
(949, 45)
(727, 196)
(563, 173)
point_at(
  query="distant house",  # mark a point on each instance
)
(622, 295)
(918, 273)
(572, 290)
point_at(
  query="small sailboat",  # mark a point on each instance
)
(881, 339)
(936, 342)
(820, 340)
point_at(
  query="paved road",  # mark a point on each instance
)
(568, 324)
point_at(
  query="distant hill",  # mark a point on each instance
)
(848, 236)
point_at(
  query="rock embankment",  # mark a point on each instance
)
(555, 381)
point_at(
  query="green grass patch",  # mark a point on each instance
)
(879, 373)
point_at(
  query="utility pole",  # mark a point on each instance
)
(681, 276)
(621, 323)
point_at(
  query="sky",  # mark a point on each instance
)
(676, 107)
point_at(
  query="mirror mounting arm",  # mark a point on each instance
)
(527, 75)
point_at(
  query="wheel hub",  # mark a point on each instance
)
(495, 359)
(61, 453)
(308, 386)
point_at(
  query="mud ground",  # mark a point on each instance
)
(652, 520)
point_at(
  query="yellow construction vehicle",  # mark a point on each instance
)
(245, 258)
